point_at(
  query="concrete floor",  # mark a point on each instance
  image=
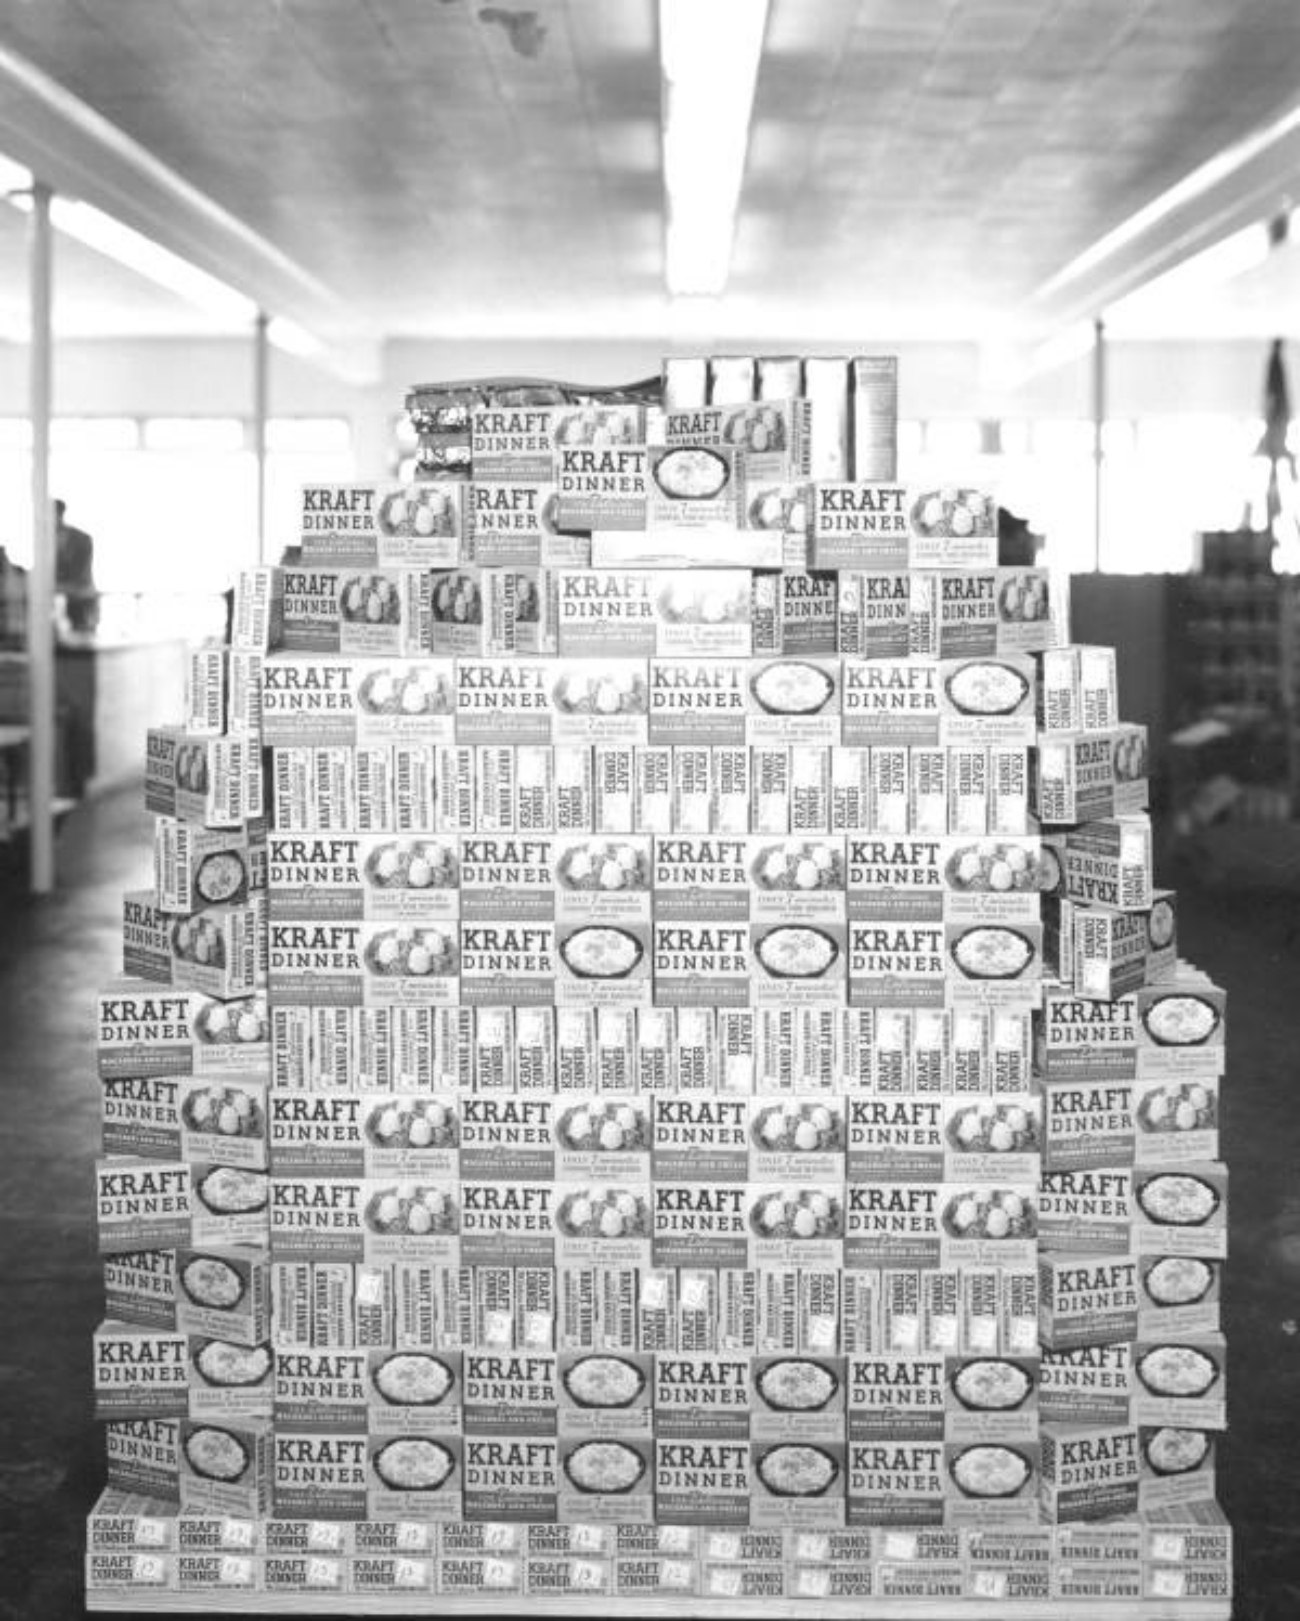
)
(54, 953)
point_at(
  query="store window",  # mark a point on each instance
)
(171, 501)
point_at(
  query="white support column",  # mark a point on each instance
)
(261, 394)
(1098, 449)
(40, 602)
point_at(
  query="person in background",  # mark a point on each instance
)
(74, 571)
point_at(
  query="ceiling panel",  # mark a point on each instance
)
(446, 165)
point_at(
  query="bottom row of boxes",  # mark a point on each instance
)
(134, 1542)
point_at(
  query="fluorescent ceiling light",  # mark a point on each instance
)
(125, 246)
(709, 52)
(104, 234)
(1189, 189)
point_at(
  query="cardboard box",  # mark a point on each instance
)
(1089, 776)
(1089, 1472)
(1087, 1299)
(385, 526)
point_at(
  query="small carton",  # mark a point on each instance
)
(1087, 1123)
(702, 1482)
(512, 522)
(700, 964)
(698, 702)
(991, 1138)
(218, 951)
(702, 1396)
(513, 442)
(700, 1137)
(991, 1222)
(897, 963)
(1013, 1564)
(800, 1139)
(140, 1287)
(213, 781)
(893, 1139)
(793, 700)
(991, 1399)
(850, 790)
(952, 528)
(142, 1204)
(1109, 864)
(196, 867)
(1089, 1472)
(808, 615)
(692, 486)
(140, 1116)
(810, 789)
(893, 1224)
(1087, 1210)
(504, 701)
(987, 701)
(349, 610)
(604, 1396)
(1176, 1121)
(504, 878)
(603, 486)
(700, 1224)
(895, 1481)
(980, 613)
(381, 526)
(144, 1456)
(991, 1483)
(508, 963)
(895, 1394)
(606, 1138)
(1177, 1466)
(226, 1468)
(223, 1120)
(1178, 1294)
(229, 1382)
(701, 612)
(890, 701)
(968, 790)
(860, 526)
(1181, 1210)
(1087, 1299)
(311, 876)
(928, 791)
(1180, 1028)
(701, 879)
(140, 1372)
(146, 937)
(797, 963)
(795, 1227)
(873, 615)
(1090, 1384)
(1089, 776)
(1008, 805)
(1180, 1382)
(797, 1484)
(1079, 1037)
(509, 1393)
